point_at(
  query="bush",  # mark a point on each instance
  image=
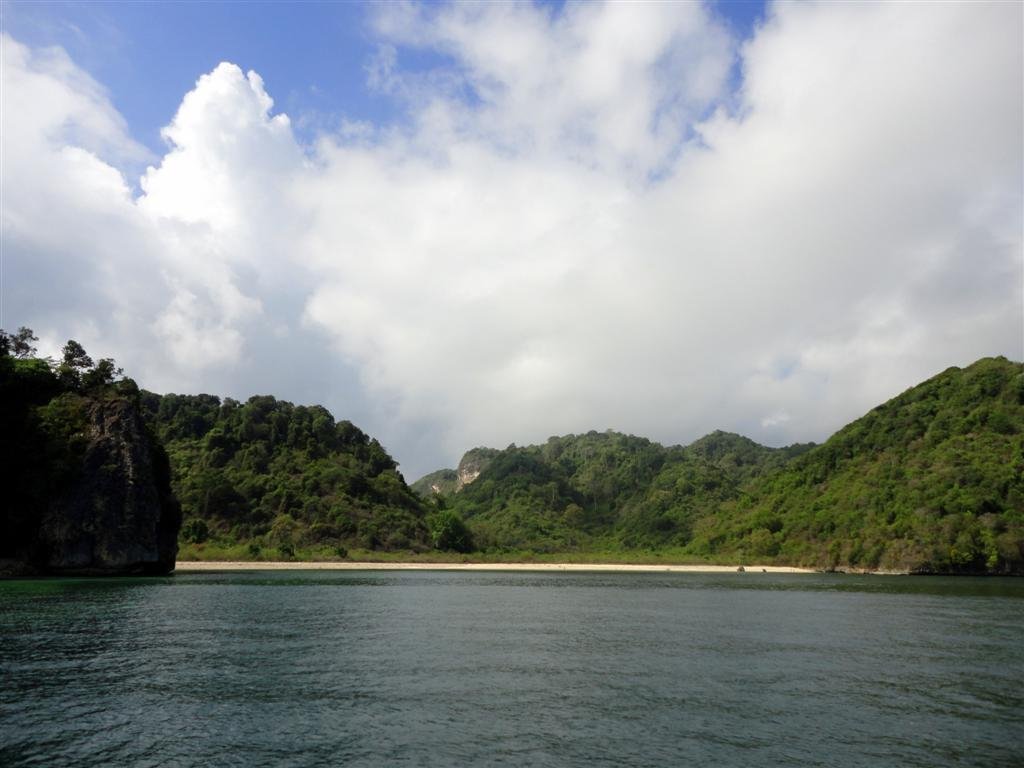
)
(448, 532)
(195, 531)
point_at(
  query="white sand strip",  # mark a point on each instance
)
(194, 566)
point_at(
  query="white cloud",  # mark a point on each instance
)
(527, 284)
(170, 282)
(561, 238)
(47, 99)
(222, 190)
(608, 85)
(775, 419)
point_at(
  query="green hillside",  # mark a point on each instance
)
(930, 481)
(266, 478)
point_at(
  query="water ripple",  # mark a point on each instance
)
(365, 669)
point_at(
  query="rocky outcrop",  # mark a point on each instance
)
(117, 515)
(445, 482)
(442, 483)
(473, 463)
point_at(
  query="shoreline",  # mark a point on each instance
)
(197, 566)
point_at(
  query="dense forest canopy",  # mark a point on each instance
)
(931, 480)
(278, 478)
(607, 490)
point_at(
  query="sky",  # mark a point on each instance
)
(479, 224)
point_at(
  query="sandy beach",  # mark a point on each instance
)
(195, 566)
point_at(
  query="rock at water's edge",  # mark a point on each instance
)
(119, 515)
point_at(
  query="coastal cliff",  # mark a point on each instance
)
(86, 484)
(117, 515)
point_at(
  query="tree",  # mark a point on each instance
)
(18, 344)
(74, 363)
(447, 531)
(104, 373)
(75, 356)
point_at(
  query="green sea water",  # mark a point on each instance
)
(457, 669)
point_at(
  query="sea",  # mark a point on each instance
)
(435, 668)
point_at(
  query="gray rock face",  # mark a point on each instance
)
(119, 515)
(448, 481)
(473, 463)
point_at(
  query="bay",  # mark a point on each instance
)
(371, 668)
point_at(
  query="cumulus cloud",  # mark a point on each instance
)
(220, 192)
(581, 225)
(170, 281)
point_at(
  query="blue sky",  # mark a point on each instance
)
(312, 55)
(490, 223)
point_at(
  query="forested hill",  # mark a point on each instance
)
(930, 481)
(266, 478)
(605, 490)
(602, 489)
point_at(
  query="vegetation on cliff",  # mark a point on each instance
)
(87, 486)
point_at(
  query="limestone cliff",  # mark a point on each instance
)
(473, 463)
(445, 482)
(118, 515)
(108, 507)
